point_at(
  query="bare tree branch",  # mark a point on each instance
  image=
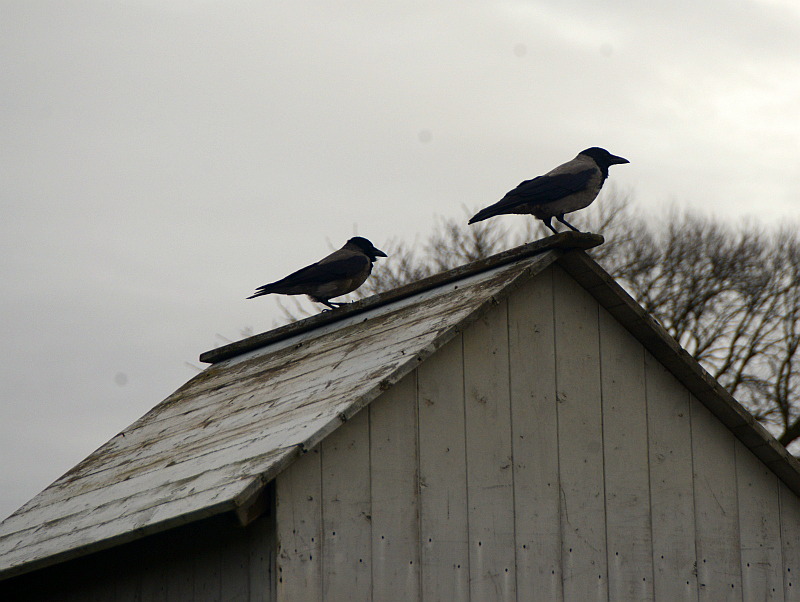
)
(729, 295)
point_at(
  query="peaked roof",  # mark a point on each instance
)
(214, 444)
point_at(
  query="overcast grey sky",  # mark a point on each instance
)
(159, 159)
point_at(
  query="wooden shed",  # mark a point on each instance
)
(515, 429)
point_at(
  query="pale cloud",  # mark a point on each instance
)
(159, 160)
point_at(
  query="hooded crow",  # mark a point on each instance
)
(567, 188)
(339, 273)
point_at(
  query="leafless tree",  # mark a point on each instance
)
(730, 295)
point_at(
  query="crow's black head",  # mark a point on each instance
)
(602, 157)
(366, 247)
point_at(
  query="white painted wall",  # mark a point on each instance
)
(542, 454)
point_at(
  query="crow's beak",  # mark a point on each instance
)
(614, 160)
(379, 253)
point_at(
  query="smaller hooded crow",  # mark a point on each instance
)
(339, 273)
(567, 188)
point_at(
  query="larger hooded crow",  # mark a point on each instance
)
(339, 273)
(565, 189)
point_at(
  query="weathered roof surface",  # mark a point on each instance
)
(213, 445)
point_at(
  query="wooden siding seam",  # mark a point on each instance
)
(557, 434)
(760, 528)
(692, 433)
(418, 485)
(603, 449)
(780, 534)
(561, 497)
(370, 538)
(369, 409)
(561, 492)
(649, 473)
(511, 442)
(468, 556)
(323, 537)
(736, 460)
(417, 452)
(558, 486)
(781, 537)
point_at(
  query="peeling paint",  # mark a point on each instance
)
(218, 438)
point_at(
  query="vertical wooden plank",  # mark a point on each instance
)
(180, 576)
(719, 573)
(671, 486)
(442, 470)
(346, 512)
(262, 546)
(627, 475)
(67, 591)
(759, 527)
(206, 571)
(490, 484)
(126, 582)
(580, 441)
(298, 501)
(535, 443)
(234, 565)
(105, 586)
(395, 508)
(790, 542)
(157, 563)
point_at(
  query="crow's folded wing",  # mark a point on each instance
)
(317, 274)
(538, 191)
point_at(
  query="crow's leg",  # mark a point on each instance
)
(566, 223)
(547, 223)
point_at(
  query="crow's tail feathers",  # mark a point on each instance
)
(482, 215)
(262, 290)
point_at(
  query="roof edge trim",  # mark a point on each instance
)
(564, 241)
(104, 544)
(665, 349)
